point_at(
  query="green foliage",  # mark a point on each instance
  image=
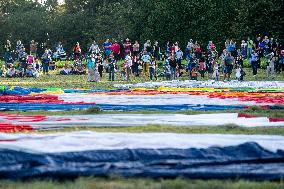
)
(162, 20)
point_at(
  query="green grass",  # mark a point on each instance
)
(252, 111)
(118, 183)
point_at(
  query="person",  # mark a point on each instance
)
(127, 47)
(91, 68)
(152, 67)
(19, 48)
(23, 59)
(66, 70)
(115, 48)
(147, 46)
(45, 62)
(3, 71)
(280, 62)
(99, 63)
(128, 65)
(31, 72)
(77, 51)
(167, 70)
(111, 67)
(229, 63)
(8, 53)
(244, 49)
(202, 65)
(249, 47)
(11, 72)
(239, 61)
(215, 74)
(192, 63)
(94, 48)
(135, 66)
(253, 62)
(240, 73)
(270, 69)
(173, 65)
(107, 48)
(178, 57)
(156, 50)
(193, 75)
(146, 58)
(136, 48)
(33, 48)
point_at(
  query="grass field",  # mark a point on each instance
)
(120, 183)
(71, 82)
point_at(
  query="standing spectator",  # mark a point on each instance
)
(19, 48)
(45, 62)
(107, 48)
(91, 63)
(191, 66)
(167, 49)
(173, 65)
(202, 65)
(33, 48)
(270, 70)
(8, 53)
(128, 65)
(215, 74)
(280, 65)
(99, 62)
(77, 51)
(253, 62)
(189, 47)
(127, 47)
(115, 48)
(156, 50)
(135, 66)
(167, 70)
(147, 46)
(152, 68)
(136, 48)
(266, 42)
(23, 60)
(249, 47)
(229, 63)
(111, 67)
(94, 48)
(146, 58)
(178, 58)
(244, 49)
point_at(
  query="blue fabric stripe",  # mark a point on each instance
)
(248, 160)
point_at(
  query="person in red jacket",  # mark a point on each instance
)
(115, 48)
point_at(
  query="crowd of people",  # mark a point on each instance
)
(142, 59)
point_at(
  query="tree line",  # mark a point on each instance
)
(163, 20)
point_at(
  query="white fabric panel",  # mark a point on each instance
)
(165, 99)
(87, 140)
(210, 83)
(131, 120)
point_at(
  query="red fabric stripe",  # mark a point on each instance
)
(9, 128)
(276, 119)
(246, 115)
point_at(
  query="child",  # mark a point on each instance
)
(91, 65)
(193, 75)
(152, 67)
(240, 73)
(167, 70)
(123, 71)
(202, 65)
(11, 72)
(216, 71)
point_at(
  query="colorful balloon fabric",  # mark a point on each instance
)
(162, 98)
